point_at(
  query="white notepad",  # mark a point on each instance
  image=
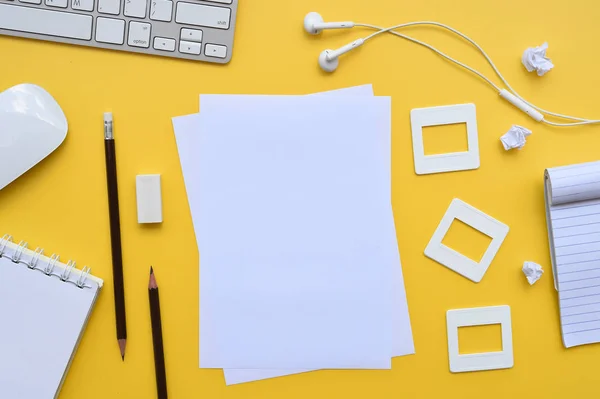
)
(271, 331)
(572, 196)
(44, 308)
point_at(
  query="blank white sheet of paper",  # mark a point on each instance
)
(573, 207)
(402, 339)
(402, 334)
(307, 204)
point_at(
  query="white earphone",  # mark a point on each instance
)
(329, 61)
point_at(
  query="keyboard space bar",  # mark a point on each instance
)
(45, 22)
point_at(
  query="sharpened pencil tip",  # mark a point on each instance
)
(122, 343)
(152, 282)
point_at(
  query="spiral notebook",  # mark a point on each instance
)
(572, 196)
(44, 309)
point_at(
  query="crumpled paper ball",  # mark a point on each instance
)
(532, 271)
(515, 137)
(534, 59)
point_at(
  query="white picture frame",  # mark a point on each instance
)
(478, 317)
(444, 115)
(456, 261)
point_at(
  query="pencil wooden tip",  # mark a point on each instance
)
(152, 283)
(122, 343)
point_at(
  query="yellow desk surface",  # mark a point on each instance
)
(61, 204)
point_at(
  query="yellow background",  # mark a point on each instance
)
(61, 203)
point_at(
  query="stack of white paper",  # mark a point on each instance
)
(291, 202)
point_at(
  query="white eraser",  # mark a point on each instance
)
(149, 200)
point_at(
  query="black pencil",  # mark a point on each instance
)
(115, 232)
(157, 340)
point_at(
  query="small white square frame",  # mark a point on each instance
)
(480, 317)
(456, 261)
(446, 115)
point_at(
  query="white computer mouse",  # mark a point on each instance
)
(32, 126)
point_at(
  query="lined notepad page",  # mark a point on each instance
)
(42, 321)
(573, 205)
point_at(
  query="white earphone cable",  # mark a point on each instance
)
(380, 30)
(390, 30)
(585, 122)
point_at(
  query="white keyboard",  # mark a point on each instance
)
(189, 29)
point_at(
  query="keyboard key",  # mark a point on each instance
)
(214, 50)
(45, 22)
(189, 47)
(109, 6)
(110, 30)
(193, 35)
(83, 5)
(164, 44)
(31, 1)
(57, 3)
(139, 34)
(194, 14)
(161, 10)
(221, 1)
(135, 8)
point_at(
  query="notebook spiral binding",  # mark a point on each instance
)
(48, 269)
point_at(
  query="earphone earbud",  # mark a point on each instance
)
(313, 24)
(326, 63)
(328, 59)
